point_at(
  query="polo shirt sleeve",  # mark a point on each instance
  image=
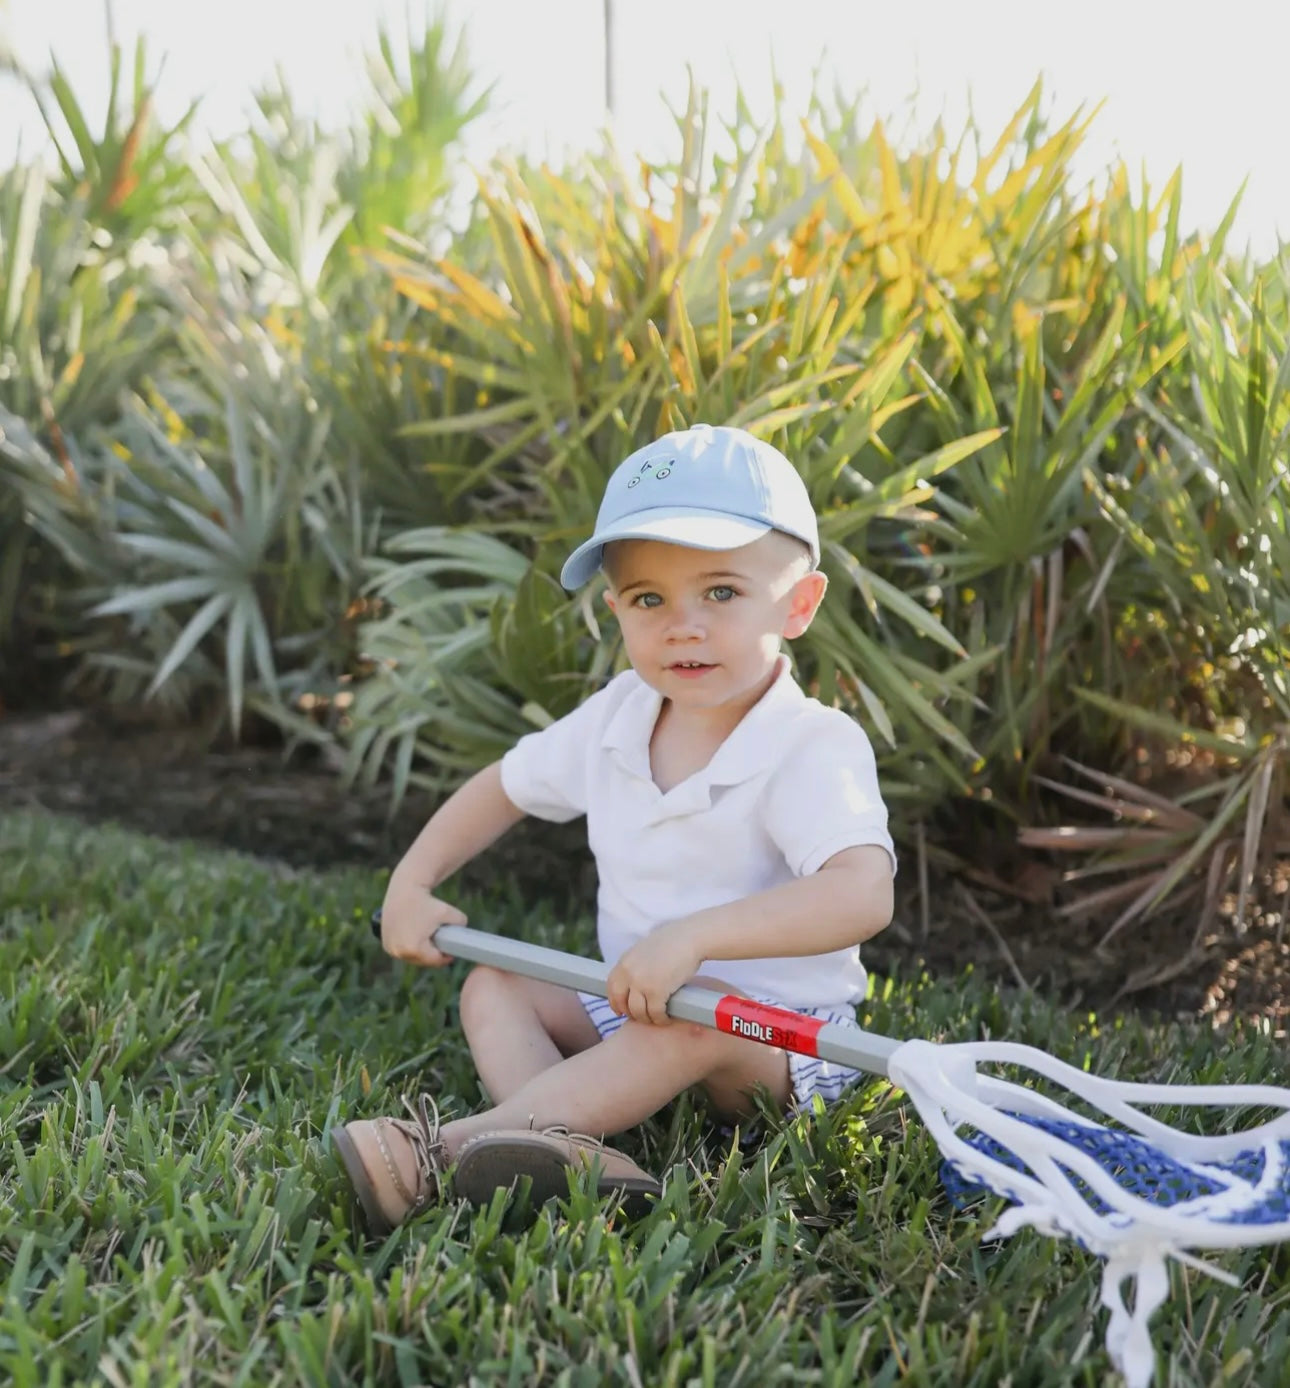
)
(824, 796)
(545, 773)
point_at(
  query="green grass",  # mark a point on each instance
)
(178, 1028)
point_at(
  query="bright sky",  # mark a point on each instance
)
(1184, 81)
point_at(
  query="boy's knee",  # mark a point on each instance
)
(693, 1034)
(688, 1036)
(482, 993)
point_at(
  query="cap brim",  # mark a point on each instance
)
(692, 528)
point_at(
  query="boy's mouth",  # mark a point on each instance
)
(690, 669)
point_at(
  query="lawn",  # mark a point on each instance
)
(178, 1028)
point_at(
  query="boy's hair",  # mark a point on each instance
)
(799, 553)
(796, 552)
(705, 488)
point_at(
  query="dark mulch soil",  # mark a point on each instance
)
(161, 781)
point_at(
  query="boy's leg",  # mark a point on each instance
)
(599, 1090)
(628, 1077)
(517, 1027)
(612, 1086)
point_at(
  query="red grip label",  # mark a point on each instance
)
(772, 1026)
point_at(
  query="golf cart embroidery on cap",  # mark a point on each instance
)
(664, 471)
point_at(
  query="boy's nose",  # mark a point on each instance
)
(686, 625)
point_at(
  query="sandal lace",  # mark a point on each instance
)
(559, 1130)
(428, 1149)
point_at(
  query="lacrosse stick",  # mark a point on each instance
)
(1135, 1194)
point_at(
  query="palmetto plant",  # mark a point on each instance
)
(52, 532)
(1207, 519)
(302, 204)
(961, 368)
(283, 213)
(472, 648)
(225, 554)
(586, 342)
(1044, 428)
(83, 265)
(399, 164)
(619, 307)
(217, 522)
(1186, 852)
(131, 178)
(79, 323)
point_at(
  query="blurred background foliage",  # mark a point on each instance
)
(296, 429)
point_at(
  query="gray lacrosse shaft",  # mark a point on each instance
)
(865, 1050)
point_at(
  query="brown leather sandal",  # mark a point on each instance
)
(499, 1159)
(363, 1147)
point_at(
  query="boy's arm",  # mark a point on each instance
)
(544, 775)
(848, 900)
(473, 817)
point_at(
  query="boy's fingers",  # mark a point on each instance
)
(631, 1000)
(645, 1007)
(423, 951)
(448, 915)
(657, 1008)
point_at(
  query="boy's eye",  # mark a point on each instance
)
(721, 593)
(646, 600)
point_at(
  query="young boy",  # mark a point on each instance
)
(739, 835)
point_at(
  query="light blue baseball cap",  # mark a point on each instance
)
(707, 487)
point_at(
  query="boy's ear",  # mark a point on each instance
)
(610, 602)
(808, 594)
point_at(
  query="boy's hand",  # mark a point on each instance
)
(650, 972)
(410, 915)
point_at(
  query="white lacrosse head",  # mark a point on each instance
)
(1135, 1194)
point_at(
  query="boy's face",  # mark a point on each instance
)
(703, 627)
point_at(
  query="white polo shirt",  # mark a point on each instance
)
(791, 786)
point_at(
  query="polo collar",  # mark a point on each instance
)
(746, 751)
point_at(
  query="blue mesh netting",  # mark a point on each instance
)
(1135, 1165)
